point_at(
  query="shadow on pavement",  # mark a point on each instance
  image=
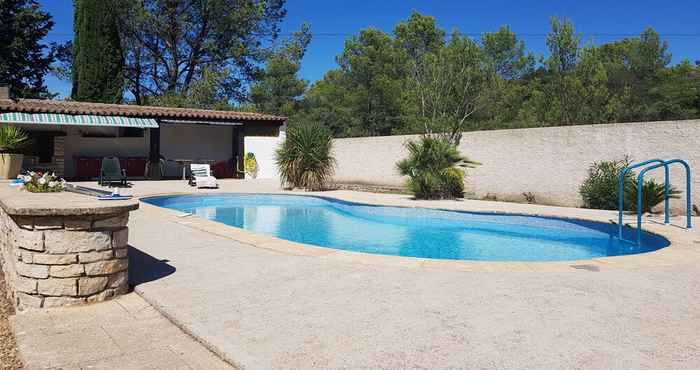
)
(144, 268)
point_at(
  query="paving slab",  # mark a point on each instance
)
(125, 333)
(268, 308)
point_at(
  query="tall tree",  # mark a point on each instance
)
(563, 44)
(98, 59)
(24, 59)
(376, 73)
(507, 53)
(419, 35)
(173, 43)
(450, 87)
(279, 89)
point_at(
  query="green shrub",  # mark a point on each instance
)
(652, 195)
(601, 187)
(434, 169)
(305, 159)
(12, 138)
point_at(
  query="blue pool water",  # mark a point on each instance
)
(413, 232)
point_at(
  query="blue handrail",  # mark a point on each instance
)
(640, 184)
(621, 191)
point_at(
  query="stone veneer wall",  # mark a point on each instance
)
(51, 261)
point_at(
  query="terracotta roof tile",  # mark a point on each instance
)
(100, 109)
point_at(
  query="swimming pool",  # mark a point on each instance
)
(412, 232)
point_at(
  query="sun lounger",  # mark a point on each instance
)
(201, 176)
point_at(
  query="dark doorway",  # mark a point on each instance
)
(238, 152)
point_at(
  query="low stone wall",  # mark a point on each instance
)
(58, 261)
(62, 249)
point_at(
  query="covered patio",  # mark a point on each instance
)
(71, 138)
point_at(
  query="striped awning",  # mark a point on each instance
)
(76, 120)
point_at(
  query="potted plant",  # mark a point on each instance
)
(11, 140)
(251, 165)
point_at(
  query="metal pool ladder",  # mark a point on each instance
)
(648, 166)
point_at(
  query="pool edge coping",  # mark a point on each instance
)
(679, 251)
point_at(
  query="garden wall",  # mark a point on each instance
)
(58, 249)
(549, 162)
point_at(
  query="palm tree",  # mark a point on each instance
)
(434, 168)
(305, 160)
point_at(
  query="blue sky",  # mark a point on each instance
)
(333, 21)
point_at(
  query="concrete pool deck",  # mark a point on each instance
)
(262, 303)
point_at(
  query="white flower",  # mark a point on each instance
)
(32, 173)
(26, 178)
(42, 181)
(52, 184)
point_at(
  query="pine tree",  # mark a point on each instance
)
(24, 59)
(98, 58)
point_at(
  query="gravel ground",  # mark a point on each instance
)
(9, 358)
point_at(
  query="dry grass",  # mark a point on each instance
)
(9, 357)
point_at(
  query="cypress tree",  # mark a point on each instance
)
(98, 58)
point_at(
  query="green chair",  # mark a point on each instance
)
(111, 171)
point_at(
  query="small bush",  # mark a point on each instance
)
(305, 159)
(601, 187)
(529, 197)
(652, 195)
(434, 169)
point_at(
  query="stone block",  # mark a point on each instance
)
(62, 301)
(121, 290)
(25, 301)
(27, 256)
(115, 221)
(91, 285)
(106, 267)
(102, 296)
(118, 279)
(67, 270)
(57, 287)
(120, 238)
(55, 259)
(24, 222)
(48, 223)
(30, 240)
(77, 223)
(88, 257)
(26, 285)
(61, 241)
(33, 271)
(121, 252)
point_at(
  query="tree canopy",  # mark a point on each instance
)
(24, 59)
(170, 45)
(418, 80)
(98, 59)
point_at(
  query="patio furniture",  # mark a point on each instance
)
(201, 176)
(111, 170)
(187, 162)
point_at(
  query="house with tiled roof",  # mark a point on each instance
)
(71, 137)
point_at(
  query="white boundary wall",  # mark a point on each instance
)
(550, 162)
(264, 148)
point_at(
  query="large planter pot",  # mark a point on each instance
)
(10, 165)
